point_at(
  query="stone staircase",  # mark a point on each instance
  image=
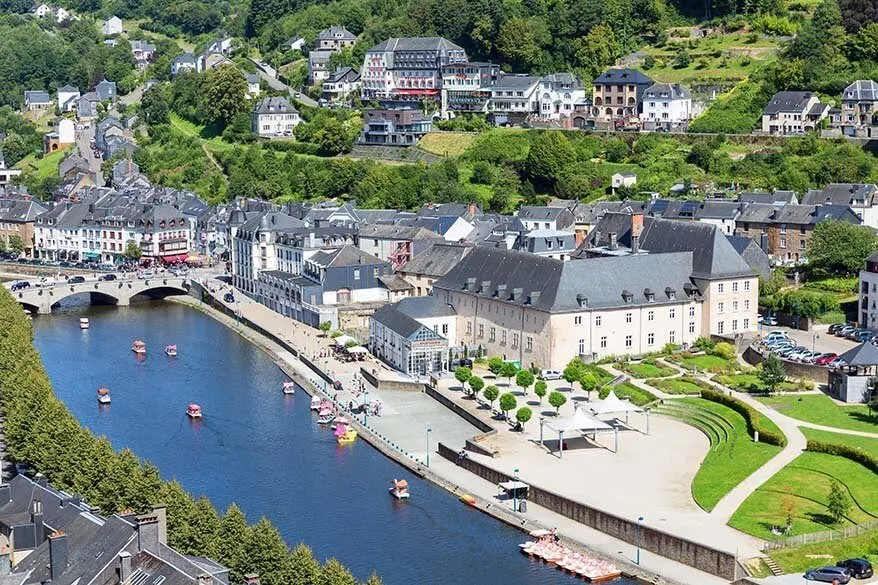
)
(772, 565)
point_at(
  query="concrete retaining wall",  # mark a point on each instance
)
(390, 384)
(689, 553)
(794, 369)
(458, 410)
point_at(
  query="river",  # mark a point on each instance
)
(264, 450)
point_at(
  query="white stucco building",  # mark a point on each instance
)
(666, 106)
(273, 117)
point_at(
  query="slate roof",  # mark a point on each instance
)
(673, 90)
(713, 209)
(187, 58)
(415, 44)
(842, 194)
(274, 105)
(273, 221)
(142, 46)
(623, 77)
(344, 256)
(864, 354)
(554, 286)
(564, 78)
(753, 255)
(399, 322)
(862, 90)
(425, 307)
(37, 97)
(714, 257)
(532, 212)
(19, 210)
(396, 232)
(796, 214)
(788, 102)
(459, 209)
(514, 82)
(344, 74)
(320, 56)
(68, 89)
(436, 260)
(395, 282)
(336, 32)
(777, 197)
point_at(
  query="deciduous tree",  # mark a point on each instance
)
(225, 92)
(507, 403)
(772, 372)
(838, 247)
(557, 400)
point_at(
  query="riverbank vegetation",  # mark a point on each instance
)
(43, 434)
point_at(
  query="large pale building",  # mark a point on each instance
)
(408, 68)
(655, 282)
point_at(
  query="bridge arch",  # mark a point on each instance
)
(102, 292)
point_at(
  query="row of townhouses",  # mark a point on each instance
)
(796, 112)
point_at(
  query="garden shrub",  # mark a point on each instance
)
(750, 416)
(846, 451)
(724, 350)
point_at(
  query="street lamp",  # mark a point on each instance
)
(514, 490)
(365, 408)
(429, 430)
(637, 559)
(814, 339)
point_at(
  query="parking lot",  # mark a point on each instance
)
(818, 339)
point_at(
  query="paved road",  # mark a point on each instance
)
(133, 97)
(83, 140)
(276, 84)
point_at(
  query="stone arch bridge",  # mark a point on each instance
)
(114, 292)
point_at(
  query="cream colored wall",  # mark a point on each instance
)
(555, 338)
(417, 280)
(713, 298)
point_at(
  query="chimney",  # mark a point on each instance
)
(612, 240)
(470, 284)
(57, 555)
(582, 301)
(486, 286)
(516, 294)
(534, 297)
(472, 209)
(124, 567)
(578, 237)
(636, 229)
(251, 579)
(501, 292)
(36, 518)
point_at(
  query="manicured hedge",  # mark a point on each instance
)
(750, 416)
(845, 451)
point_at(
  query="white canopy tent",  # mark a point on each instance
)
(342, 340)
(581, 422)
(357, 349)
(612, 404)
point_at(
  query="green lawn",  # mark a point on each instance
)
(803, 485)
(802, 558)
(709, 363)
(646, 370)
(625, 390)
(446, 143)
(730, 462)
(751, 383)
(682, 385)
(43, 167)
(211, 140)
(820, 409)
(866, 444)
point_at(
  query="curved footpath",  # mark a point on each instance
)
(391, 434)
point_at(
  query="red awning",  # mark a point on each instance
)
(416, 91)
(175, 258)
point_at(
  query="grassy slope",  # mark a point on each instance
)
(681, 385)
(805, 483)
(731, 461)
(43, 167)
(446, 143)
(820, 409)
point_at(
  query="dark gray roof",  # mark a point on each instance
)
(537, 213)
(713, 209)
(320, 56)
(399, 322)
(344, 74)
(753, 255)
(37, 97)
(669, 90)
(396, 232)
(776, 197)
(623, 76)
(395, 282)
(514, 82)
(466, 211)
(842, 194)
(714, 257)
(554, 286)
(864, 354)
(563, 78)
(185, 58)
(864, 90)
(425, 307)
(796, 214)
(336, 32)
(68, 89)
(788, 101)
(19, 210)
(415, 44)
(436, 260)
(344, 256)
(274, 105)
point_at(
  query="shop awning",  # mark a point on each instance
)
(175, 258)
(91, 255)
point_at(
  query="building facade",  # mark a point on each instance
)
(793, 112)
(273, 117)
(394, 127)
(408, 68)
(666, 106)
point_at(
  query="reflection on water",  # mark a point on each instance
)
(263, 449)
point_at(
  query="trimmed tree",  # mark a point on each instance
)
(491, 393)
(588, 383)
(495, 364)
(325, 326)
(524, 379)
(508, 370)
(540, 389)
(837, 502)
(476, 384)
(573, 372)
(523, 414)
(772, 372)
(462, 374)
(557, 400)
(507, 403)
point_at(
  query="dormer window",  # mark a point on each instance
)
(627, 296)
(650, 296)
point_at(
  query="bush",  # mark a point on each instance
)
(523, 414)
(724, 350)
(648, 62)
(705, 344)
(865, 459)
(750, 416)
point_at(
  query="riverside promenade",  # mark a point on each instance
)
(404, 422)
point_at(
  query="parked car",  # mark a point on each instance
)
(864, 335)
(858, 568)
(20, 285)
(459, 363)
(853, 333)
(769, 320)
(107, 277)
(837, 363)
(834, 575)
(787, 351)
(780, 343)
(146, 274)
(76, 280)
(833, 329)
(845, 330)
(550, 375)
(825, 359)
(229, 297)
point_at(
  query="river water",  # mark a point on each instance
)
(264, 450)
